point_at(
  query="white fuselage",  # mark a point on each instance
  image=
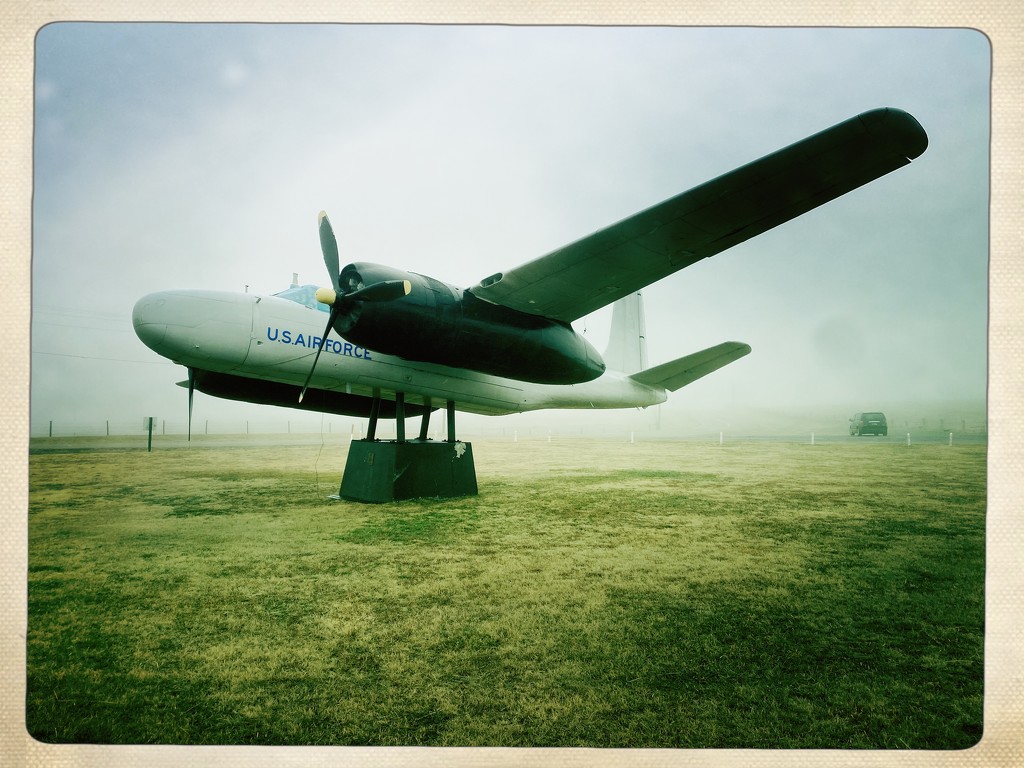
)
(272, 339)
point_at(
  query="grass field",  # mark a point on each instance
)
(674, 594)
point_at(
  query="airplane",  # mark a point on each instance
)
(396, 344)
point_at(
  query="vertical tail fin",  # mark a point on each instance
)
(627, 344)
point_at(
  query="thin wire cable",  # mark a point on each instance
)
(316, 464)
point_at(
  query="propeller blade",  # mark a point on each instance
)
(335, 311)
(191, 392)
(329, 246)
(386, 290)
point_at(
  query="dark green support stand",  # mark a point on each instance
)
(382, 471)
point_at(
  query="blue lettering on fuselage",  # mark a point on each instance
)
(346, 348)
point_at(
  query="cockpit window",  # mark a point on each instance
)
(304, 295)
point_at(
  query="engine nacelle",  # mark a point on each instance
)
(439, 323)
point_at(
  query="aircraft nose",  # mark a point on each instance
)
(149, 320)
(197, 328)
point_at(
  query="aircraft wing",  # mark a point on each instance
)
(613, 262)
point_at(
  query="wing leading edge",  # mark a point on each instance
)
(613, 262)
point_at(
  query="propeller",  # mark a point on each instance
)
(337, 299)
(329, 247)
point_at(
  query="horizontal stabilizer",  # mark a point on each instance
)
(686, 370)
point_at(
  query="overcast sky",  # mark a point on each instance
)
(198, 156)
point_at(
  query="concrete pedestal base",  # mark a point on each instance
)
(382, 471)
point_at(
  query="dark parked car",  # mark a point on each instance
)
(869, 424)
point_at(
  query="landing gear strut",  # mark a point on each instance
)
(393, 470)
